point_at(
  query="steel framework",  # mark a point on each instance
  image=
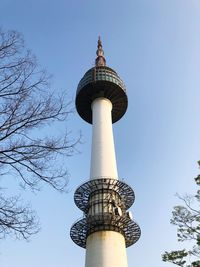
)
(112, 198)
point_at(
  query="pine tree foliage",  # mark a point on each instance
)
(187, 219)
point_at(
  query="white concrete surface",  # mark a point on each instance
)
(103, 248)
(103, 161)
(106, 249)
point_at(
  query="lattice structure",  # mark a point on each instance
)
(82, 194)
(104, 202)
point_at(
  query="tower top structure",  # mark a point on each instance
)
(100, 60)
(101, 81)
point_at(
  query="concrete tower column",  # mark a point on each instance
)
(102, 245)
(106, 249)
(103, 161)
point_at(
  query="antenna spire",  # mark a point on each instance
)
(100, 60)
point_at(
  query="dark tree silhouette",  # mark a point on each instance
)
(27, 151)
(187, 220)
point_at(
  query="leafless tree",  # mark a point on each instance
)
(27, 150)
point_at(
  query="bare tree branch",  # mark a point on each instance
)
(16, 220)
(28, 151)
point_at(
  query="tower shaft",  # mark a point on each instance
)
(103, 161)
(102, 244)
(106, 249)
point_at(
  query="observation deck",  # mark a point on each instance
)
(101, 81)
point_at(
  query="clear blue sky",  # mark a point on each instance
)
(155, 47)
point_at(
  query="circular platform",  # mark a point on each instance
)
(101, 82)
(105, 222)
(83, 192)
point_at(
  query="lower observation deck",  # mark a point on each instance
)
(105, 202)
(83, 192)
(105, 222)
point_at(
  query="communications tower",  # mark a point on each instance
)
(107, 227)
